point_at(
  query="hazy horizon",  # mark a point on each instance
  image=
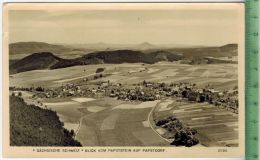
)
(207, 27)
(128, 44)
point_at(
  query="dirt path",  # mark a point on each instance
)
(149, 119)
(80, 123)
(76, 78)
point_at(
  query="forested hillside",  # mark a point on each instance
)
(34, 126)
(49, 60)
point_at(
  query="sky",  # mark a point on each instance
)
(207, 27)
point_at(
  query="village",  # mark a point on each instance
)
(143, 91)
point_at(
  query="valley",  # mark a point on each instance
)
(99, 119)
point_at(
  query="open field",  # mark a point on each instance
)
(111, 122)
(216, 126)
(222, 76)
(108, 122)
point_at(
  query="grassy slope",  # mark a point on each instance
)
(33, 126)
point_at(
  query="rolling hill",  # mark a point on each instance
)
(50, 60)
(22, 49)
(130, 56)
(43, 60)
(222, 51)
(33, 47)
(47, 60)
(69, 51)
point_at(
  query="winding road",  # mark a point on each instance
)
(119, 127)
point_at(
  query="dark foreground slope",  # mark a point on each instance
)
(33, 126)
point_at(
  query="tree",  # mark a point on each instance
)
(162, 85)
(40, 89)
(184, 94)
(66, 132)
(100, 70)
(185, 137)
(72, 133)
(20, 94)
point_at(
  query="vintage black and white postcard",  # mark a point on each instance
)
(123, 79)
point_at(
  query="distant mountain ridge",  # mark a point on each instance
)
(49, 60)
(23, 49)
(20, 50)
(33, 47)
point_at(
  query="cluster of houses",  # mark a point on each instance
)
(227, 99)
(67, 90)
(150, 91)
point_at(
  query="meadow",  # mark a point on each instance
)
(221, 77)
